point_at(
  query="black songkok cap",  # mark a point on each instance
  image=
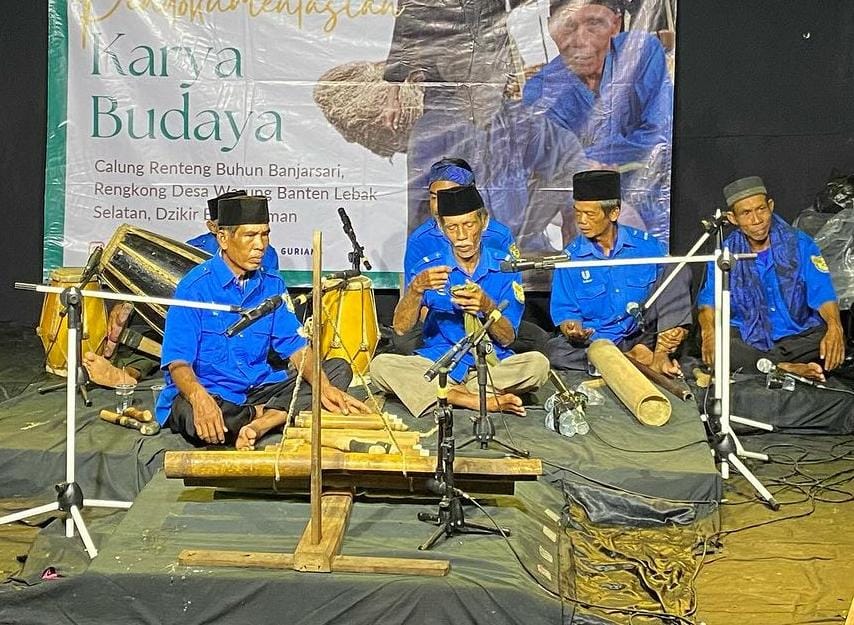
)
(245, 209)
(213, 203)
(458, 201)
(596, 184)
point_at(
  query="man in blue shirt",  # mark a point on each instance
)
(597, 302)
(221, 389)
(459, 288)
(613, 91)
(783, 304)
(208, 240)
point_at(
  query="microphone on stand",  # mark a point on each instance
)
(634, 310)
(524, 264)
(91, 265)
(766, 366)
(248, 317)
(464, 343)
(348, 230)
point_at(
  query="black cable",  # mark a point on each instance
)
(645, 451)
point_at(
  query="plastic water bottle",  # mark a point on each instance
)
(567, 424)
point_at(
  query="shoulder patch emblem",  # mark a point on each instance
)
(514, 251)
(519, 292)
(819, 263)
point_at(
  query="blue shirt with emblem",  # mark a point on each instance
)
(428, 240)
(227, 367)
(812, 270)
(445, 325)
(208, 243)
(598, 296)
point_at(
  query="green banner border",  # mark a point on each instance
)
(55, 155)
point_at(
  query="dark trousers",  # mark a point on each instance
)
(672, 309)
(276, 396)
(803, 347)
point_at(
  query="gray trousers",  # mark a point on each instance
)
(404, 376)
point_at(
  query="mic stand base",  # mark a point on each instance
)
(483, 433)
(726, 449)
(451, 520)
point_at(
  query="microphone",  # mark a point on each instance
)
(766, 366)
(348, 227)
(524, 264)
(91, 265)
(464, 343)
(248, 317)
(338, 275)
(635, 310)
(348, 230)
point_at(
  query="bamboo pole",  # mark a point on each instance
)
(316, 465)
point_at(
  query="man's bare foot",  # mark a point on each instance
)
(265, 420)
(246, 437)
(642, 354)
(506, 402)
(101, 371)
(495, 402)
(808, 370)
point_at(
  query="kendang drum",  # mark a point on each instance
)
(350, 328)
(53, 323)
(145, 263)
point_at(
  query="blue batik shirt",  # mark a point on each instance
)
(228, 367)
(208, 243)
(812, 269)
(428, 238)
(599, 296)
(445, 323)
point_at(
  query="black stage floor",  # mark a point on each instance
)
(620, 473)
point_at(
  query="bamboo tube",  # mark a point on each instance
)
(331, 420)
(403, 438)
(643, 400)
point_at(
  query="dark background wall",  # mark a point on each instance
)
(763, 87)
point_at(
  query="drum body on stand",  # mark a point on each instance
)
(350, 328)
(53, 323)
(145, 263)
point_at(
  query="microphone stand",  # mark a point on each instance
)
(69, 495)
(725, 444)
(483, 428)
(450, 517)
(72, 301)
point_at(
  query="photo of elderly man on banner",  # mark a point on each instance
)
(594, 91)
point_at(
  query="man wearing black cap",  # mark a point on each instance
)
(208, 241)
(783, 304)
(459, 289)
(607, 302)
(221, 389)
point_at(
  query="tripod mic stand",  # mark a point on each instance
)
(450, 517)
(69, 495)
(725, 443)
(483, 428)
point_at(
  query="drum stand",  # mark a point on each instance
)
(69, 496)
(450, 517)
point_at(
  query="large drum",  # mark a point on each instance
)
(145, 263)
(350, 328)
(53, 323)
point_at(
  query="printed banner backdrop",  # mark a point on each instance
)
(155, 106)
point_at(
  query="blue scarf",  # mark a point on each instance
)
(747, 295)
